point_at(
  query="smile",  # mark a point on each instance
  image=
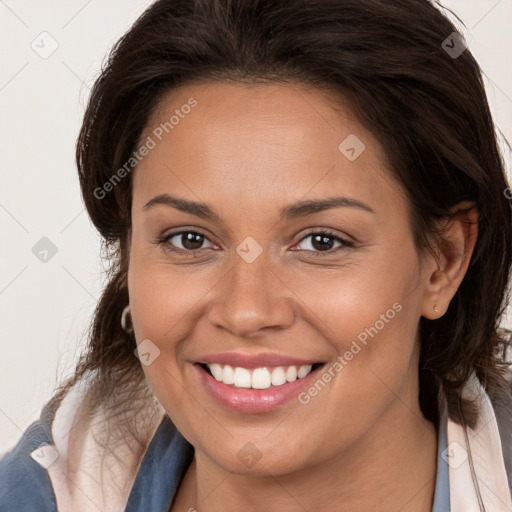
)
(257, 378)
(254, 383)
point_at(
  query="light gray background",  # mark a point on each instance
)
(45, 307)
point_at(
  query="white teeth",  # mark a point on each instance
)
(216, 370)
(261, 378)
(291, 374)
(303, 371)
(229, 375)
(242, 378)
(278, 376)
(258, 378)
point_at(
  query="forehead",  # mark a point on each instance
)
(258, 145)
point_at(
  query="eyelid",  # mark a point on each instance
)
(344, 242)
(164, 239)
(328, 232)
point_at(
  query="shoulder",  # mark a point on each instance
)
(165, 462)
(33, 473)
(24, 483)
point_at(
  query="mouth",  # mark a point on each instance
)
(255, 383)
(256, 388)
(264, 377)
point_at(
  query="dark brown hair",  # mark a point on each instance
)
(428, 110)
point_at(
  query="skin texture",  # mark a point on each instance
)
(249, 151)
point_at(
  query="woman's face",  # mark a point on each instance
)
(252, 283)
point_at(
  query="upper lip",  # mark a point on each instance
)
(255, 360)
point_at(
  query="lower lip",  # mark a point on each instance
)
(254, 401)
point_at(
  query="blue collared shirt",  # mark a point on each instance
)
(25, 486)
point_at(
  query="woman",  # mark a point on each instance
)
(304, 206)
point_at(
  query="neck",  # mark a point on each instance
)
(380, 472)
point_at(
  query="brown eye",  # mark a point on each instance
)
(323, 241)
(190, 241)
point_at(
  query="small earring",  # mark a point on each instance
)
(126, 312)
(436, 309)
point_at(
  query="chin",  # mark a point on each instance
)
(256, 459)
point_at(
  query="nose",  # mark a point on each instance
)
(250, 298)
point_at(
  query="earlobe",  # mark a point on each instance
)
(454, 251)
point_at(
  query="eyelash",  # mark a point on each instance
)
(164, 242)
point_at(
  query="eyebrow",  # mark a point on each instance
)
(299, 209)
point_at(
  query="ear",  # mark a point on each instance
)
(445, 271)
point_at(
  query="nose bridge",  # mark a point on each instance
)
(252, 296)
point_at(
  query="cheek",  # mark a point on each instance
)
(370, 316)
(159, 307)
(361, 299)
(162, 297)
(164, 303)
